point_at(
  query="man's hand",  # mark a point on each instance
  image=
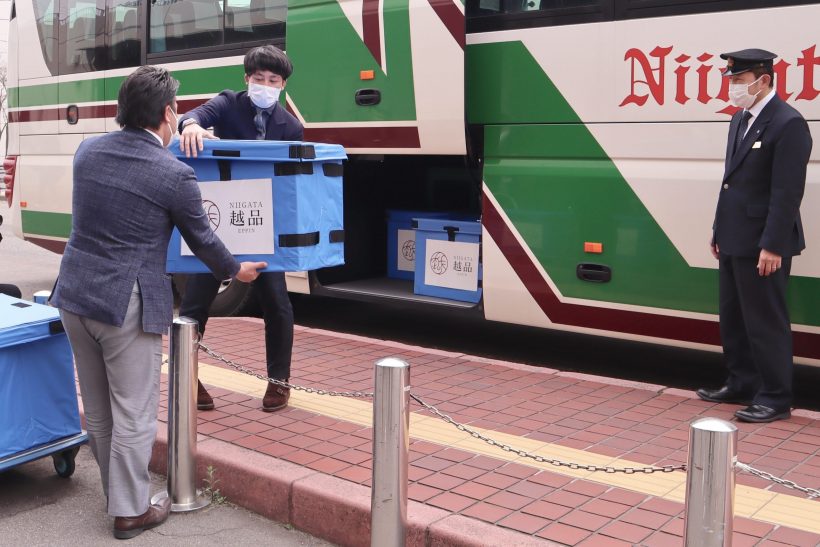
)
(248, 271)
(768, 263)
(715, 249)
(190, 140)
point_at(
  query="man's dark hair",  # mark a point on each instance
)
(143, 97)
(268, 58)
(761, 70)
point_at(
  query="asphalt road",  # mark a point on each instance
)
(38, 508)
(33, 269)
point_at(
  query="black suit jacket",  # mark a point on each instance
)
(763, 184)
(231, 115)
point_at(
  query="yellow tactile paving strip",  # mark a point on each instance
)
(755, 503)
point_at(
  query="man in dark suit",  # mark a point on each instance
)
(757, 231)
(252, 114)
(114, 297)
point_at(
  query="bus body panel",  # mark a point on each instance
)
(415, 55)
(568, 169)
(610, 133)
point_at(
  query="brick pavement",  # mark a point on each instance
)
(575, 415)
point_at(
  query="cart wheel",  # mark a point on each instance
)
(64, 463)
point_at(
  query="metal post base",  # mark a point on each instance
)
(199, 502)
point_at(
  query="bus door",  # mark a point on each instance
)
(379, 76)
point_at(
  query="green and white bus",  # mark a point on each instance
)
(587, 135)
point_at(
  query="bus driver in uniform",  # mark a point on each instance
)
(757, 231)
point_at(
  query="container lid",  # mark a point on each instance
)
(22, 321)
(472, 227)
(408, 215)
(260, 150)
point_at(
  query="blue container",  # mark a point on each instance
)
(38, 396)
(306, 185)
(448, 261)
(401, 241)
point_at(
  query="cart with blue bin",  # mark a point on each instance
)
(39, 414)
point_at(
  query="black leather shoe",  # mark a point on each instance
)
(760, 414)
(723, 395)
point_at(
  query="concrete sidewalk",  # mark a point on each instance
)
(309, 465)
(37, 508)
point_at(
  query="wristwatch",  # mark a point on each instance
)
(188, 121)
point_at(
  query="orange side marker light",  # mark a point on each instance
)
(590, 247)
(367, 75)
(23, 204)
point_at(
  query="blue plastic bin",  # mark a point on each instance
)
(306, 186)
(401, 241)
(39, 414)
(449, 259)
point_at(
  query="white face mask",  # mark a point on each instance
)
(263, 96)
(173, 130)
(739, 94)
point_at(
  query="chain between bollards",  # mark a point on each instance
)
(810, 492)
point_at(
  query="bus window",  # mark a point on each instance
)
(78, 37)
(185, 24)
(122, 28)
(251, 20)
(490, 15)
(46, 17)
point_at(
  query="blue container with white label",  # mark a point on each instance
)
(401, 241)
(448, 259)
(297, 227)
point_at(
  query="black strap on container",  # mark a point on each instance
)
(226, 153)
(302, 151)
(333, 169)
(451, 232)
(337, 236)
(308, 152)
(292, 168)
(299, 240)
(224, 169)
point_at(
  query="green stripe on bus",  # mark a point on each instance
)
(34, 95)
(38, 223)
(505, 84)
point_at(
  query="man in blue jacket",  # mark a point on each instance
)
(252, 114)
(757, 231)
(114, 296)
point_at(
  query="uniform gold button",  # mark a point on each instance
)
(725, 186)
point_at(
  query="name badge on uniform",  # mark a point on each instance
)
(757, 144)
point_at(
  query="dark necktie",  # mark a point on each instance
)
(741, 130)
(261, 121)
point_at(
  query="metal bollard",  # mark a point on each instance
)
(710, 483)
(391, 445)
(182, 379)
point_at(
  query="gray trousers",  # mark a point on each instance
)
(119, 372)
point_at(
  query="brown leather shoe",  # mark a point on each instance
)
(129, 527)
(203, 398)
(276, 397)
